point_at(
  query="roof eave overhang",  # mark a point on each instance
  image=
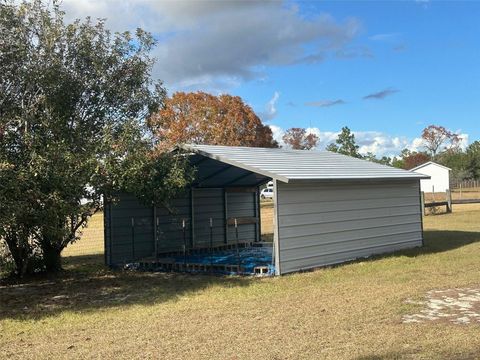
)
(357, 179)
(284, 179)
(235, 163)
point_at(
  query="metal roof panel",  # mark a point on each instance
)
(293, 165)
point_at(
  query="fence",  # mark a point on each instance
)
(91, 241)
(465, 184)
(466, 190)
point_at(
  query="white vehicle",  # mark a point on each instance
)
(270, 184)
(266, 193)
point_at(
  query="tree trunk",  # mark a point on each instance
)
(20, 252)
(52, 259)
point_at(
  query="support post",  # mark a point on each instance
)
(192, 220)
(155, 232)
(184, 243)
(449, 201)
(133, 239)
(236, 241)
(108, 230)
(211, 244)
(276, 235)
(258, 214)
(225, 216)
(422, 210)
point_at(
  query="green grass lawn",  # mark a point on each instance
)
(349, 311)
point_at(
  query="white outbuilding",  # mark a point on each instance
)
(439, 177)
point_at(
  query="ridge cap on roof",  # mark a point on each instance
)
(430, 162)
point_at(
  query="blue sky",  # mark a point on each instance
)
(385, 69)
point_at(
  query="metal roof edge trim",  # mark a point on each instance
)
(429, 163)
(235, 163)
(366, 179)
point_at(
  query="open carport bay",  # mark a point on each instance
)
(327, 208)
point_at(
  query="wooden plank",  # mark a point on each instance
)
(466, 201)
(242, 221)
(438, 203)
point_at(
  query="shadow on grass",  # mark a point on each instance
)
(436, 241)
(87, 285)
(416, 352)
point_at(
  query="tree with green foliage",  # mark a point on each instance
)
(399, 161)
(74, 100)
(473, 160)
(345, 144)
(384, 160)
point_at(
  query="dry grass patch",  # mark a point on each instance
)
(91, 241)
(352, 311)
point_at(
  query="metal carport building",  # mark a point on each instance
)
(328, 208)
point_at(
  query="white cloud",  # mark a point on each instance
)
(204, 43)
(277, 133)
(270, 108)
(464, 140)
(385, 37)
(379, 143)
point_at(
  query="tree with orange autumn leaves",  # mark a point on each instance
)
(298, 139)
(202, 118)
(435, 137)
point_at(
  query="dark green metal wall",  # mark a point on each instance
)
(134, 231)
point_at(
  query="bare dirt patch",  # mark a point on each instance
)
(458, 306)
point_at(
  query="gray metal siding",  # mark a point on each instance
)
(325, 224)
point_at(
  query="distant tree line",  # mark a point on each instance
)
(440, 145)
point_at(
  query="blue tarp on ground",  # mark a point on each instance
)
(247, 258)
